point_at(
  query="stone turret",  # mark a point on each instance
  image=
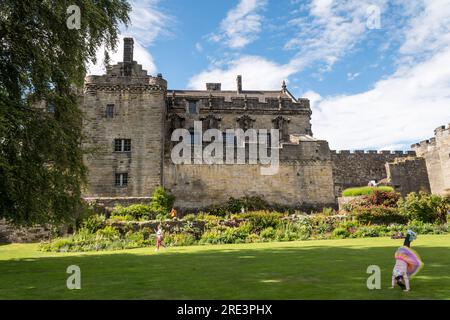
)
(436, 152)
(125, 114)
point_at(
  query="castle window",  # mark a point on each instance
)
(110, 111)
(192, 108)
(122, 145)
(51, 107)
(121, 179)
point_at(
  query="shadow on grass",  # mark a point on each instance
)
(312, 272)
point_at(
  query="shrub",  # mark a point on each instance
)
(133, 212)
(425, 207)
(94, 223)
(340, 233)
(162, 202)
(260, 220)
(252, 238)
(179, 239)
(383, 198)
(58, 245)
(360, 191)
(108, 233)
(189, 217)
(328, 211)
(268, 234)
(370, 231)
(378, 215)
(427, 228)
(224, 235)
(122, 218)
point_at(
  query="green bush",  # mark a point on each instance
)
(340, 233)
(162, 202)
(425, 207)
(108, 233)
(94, 223)
(133, 212)
(268, 234)
(222, 235)
(179, 239)
(189, 217)
(260, 220)
(361, 191)
(235, 205)
(370, 231)
(427, 228)
(253, 238)
(378, 215)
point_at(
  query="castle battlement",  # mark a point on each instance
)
(439, 132)
(442, 130)
(220, 102)
(380, 152)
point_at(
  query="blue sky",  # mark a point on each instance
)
(377, 72)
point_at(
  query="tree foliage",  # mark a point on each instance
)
(42, 63)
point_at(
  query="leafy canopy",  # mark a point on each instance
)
(43, 63)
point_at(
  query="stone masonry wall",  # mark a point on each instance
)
(12, 234)
(436, 152)
(356, 169)
(304, 180)
(138, 116)
(408, 175)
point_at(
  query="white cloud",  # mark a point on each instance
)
(147, 24)
(257, 73)
(352, 76)
(406, 106)
(330, 30)
(429, 30)
(241, 25)
(198, 47)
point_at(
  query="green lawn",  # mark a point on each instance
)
(326, 269)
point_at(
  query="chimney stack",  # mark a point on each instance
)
(128, 50)
(239, 84)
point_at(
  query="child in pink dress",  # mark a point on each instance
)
(400, 271)
(159, 238)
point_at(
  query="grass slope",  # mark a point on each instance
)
(326, 269)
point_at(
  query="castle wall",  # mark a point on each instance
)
(408, 175)
(139, 116)
(356, 169)
(305, 182)
(436, 152)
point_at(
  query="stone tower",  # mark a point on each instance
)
(436, 152)
(124, 113)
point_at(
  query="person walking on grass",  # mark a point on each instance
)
(159, 238)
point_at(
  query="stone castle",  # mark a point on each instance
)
(130, 116)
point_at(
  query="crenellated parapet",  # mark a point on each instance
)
(442, 130)
(223, 103)
(376, 152)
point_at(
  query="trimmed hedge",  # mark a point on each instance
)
(364, 191)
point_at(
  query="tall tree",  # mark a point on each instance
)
(43, 61)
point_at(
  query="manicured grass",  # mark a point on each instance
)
(362, 191)
(325, 269)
